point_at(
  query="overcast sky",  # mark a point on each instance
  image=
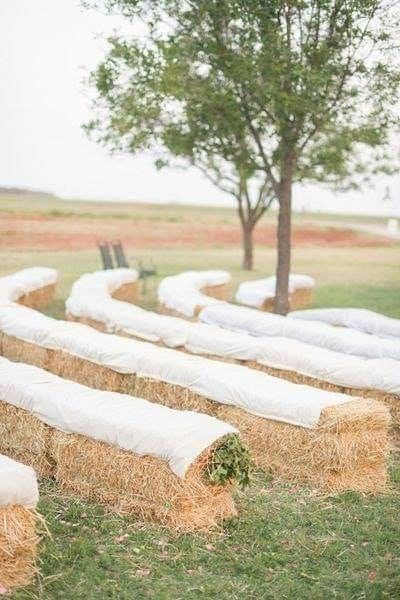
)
(47, 46)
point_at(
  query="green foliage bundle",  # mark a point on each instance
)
(231, 462)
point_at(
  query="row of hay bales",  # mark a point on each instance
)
(92, 301)
(182, 295)
(326, 439)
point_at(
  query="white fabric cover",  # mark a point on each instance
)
(256, 292)
(130, 423)
(120, 316)
(360, 319)
(18, 483)
(255, 392)
(183, 292)
(25, 281)
(105, 282)
(200, 338)
(264, 324)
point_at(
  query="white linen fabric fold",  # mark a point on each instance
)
(18, 483)
(256, 292)
(360, 319)
(182, 292)
(130, 423)
(255, 392)
(263, 324)
(25, 281)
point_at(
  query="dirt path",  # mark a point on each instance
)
(63, 233)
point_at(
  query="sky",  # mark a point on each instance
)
(47, 48)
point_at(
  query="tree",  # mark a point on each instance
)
(281, 91)
(152, 97)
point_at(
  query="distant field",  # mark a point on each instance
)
(289, 542)
(350, 268)
(51, 224)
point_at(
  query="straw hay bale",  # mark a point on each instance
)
(392, 401)
(220, 292)
(301, 298)
(25, 438)
(142, 486)
(18, 545)
(346, 451)
(128, 292)
(20, 351)
(38, 298)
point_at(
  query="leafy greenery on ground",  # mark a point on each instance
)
(288, 542)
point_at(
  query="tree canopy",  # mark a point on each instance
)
(259, 94)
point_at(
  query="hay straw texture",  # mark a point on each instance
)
(128, 292)
(392, 401)
(18, 546)
(260, 293)
(18, 539)
(141, 486)
(25, 438)
(346, 451)
(34, 287)
(350, 438)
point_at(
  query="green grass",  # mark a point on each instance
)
(288, 542)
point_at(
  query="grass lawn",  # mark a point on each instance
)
(288, 542)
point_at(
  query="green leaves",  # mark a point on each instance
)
(231, 462)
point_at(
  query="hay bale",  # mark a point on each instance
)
(38, 298)
(26, 439)
(141, 486)
(32, 287)
(18, 539)
(392, 401)
(300, 298)
(128, 292)
(20, 351)
(347, 451)
(220, 292)
(144, 487)
(18, 546)
(176, 468)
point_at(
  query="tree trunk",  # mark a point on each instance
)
(284, 238)
(247, 236)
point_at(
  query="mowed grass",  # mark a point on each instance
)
(288, 542)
